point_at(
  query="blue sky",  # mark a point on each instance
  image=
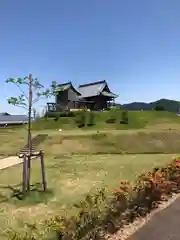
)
(134, 45)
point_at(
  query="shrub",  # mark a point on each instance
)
(112, 116)
(90, 118)
(131, 201)
(159, 108)
(67, 114)
(124, 117)
(111, 120)
(59, 114)
(56, 116)
(84, 225)
(80, 119)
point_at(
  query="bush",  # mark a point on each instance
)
(124, 118)
(159, 108)
(80, 119)
(90, 118)
(59, 114)
(85, 224)
(67, 114)
(56, 116)
(131, 201)
(111, 120)
(112, 115)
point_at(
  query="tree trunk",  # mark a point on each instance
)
(29, 133)
(29, 114)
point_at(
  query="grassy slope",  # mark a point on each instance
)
(137, 120)
(91, 142)
(147, 132)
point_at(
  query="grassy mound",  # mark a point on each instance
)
(137, 120)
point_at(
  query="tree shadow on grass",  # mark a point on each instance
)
(14, 195)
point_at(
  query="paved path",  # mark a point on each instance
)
(10, 161)
(164, 225)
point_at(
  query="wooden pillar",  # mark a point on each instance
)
(28, 171)
(24, 174)
(44, 183)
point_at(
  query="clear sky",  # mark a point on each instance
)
(133, 44)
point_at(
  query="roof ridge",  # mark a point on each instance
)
(92, 83)
(66, 83)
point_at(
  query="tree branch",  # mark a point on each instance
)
(21, 106)
(21, 91)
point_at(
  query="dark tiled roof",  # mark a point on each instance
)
(93, 83)
(95, 89)
(109, 94)
(92, 89)
(65, 86)
(5, 119)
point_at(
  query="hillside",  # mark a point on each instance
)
(137, 120)
(169, 105)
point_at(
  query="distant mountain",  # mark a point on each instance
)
(167, 104)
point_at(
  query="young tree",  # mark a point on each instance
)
(27, 100)
(35, 91)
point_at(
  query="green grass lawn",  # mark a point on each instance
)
(69, 179)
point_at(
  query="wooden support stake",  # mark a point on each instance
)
(28, 172)
(43, 171)
(24, 173)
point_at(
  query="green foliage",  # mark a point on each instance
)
(159, 108)
(112, 116)
(131, 201)
(80, 119)
(83, 225)
(37, 89)
(57, 115)
(124, 117)
(90, 118)
(60, 114)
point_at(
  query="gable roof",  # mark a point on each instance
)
(66, 86)
(95, 89)
(109, 94)
(6, 119)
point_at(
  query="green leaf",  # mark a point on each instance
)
(17, 101)
(10, 80)
(36, 84)
(37, 88)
